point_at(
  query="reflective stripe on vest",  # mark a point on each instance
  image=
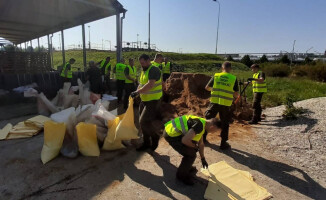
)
(156, 64)
(179, 126)
(132, 73)
(153, 94)
(258, 87)
(106, 67)
(222, 92)
(166, 67)
(120, 71)
(69, 72)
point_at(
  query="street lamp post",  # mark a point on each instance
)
(218, 23)
(137, 41)
(89, 37)
(292, 55)
(149, 25)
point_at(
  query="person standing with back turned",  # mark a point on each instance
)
(223, 87)
(131, 80)
(150, 91)
(259, 87)
(120, 78)
(105, 66)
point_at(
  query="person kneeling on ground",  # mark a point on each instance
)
(184, 134)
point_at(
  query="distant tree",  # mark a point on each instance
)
(229, 58)
(307, 60)
(9, 48)
(29, 49)
(246, 60)
(263, 59)
(42, 49)
(285, 59)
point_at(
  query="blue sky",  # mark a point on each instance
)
(246, 26)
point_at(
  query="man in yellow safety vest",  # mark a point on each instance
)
(157, 62)
(66, 72)
(150, 91)
(105, 67)
(223, 87)
(166, 69)
(259, 87)
(131, 81)
(185, 135)
(120, 78)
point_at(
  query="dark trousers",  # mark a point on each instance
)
(129, 88)
(120, 88)
(225, 116)
(165, 76)
(107, 84)
(257, 106)
(148, 111)
(188, 153)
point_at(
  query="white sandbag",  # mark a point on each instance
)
(101, 112)
(70, 143)
(63, 115)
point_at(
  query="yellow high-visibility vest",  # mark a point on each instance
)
(166, 67)
(132, 73)
(106, 67)
(258, 87)
(222, 92)
(69, 72)
(156, 92)
(120, 71)
(179, 126)
(156, 64)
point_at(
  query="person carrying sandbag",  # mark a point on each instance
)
(150, 91)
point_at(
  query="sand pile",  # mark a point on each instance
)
(186, 94)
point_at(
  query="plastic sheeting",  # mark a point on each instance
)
(53, 138)
(225, 182)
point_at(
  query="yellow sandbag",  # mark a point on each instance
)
(126, 129)
(87, 139)
(23, 131)
(5, 131)
(53, 139)
(229, 183)
(37, 121)
(110, 142)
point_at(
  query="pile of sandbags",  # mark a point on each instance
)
(86, 130)
(24, 129)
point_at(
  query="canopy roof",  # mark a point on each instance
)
(24, 20)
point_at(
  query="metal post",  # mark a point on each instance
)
(89, 37)
(149, 25)
(118, 29)
(49, 50)
(38, 44)
(63, 48)
(292, 55)
(218, 24)
(84, 46)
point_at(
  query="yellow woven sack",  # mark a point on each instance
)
(87, 139)
(110, 142)
(53, 139)
(126, 129)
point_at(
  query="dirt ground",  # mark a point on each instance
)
(127, 174)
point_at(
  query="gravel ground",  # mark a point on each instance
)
(302, 141)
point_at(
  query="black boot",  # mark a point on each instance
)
(155, 140)
(225, 146)
(253, 121)
(187, 180)
(143, 147)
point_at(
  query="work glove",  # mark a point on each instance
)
(134, 94)
(251, 79)
(204, 163)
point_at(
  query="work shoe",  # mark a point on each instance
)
(253, 122)
(225, 146)
(155, 141)
(143, 147)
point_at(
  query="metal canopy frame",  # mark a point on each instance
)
(24, 20)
